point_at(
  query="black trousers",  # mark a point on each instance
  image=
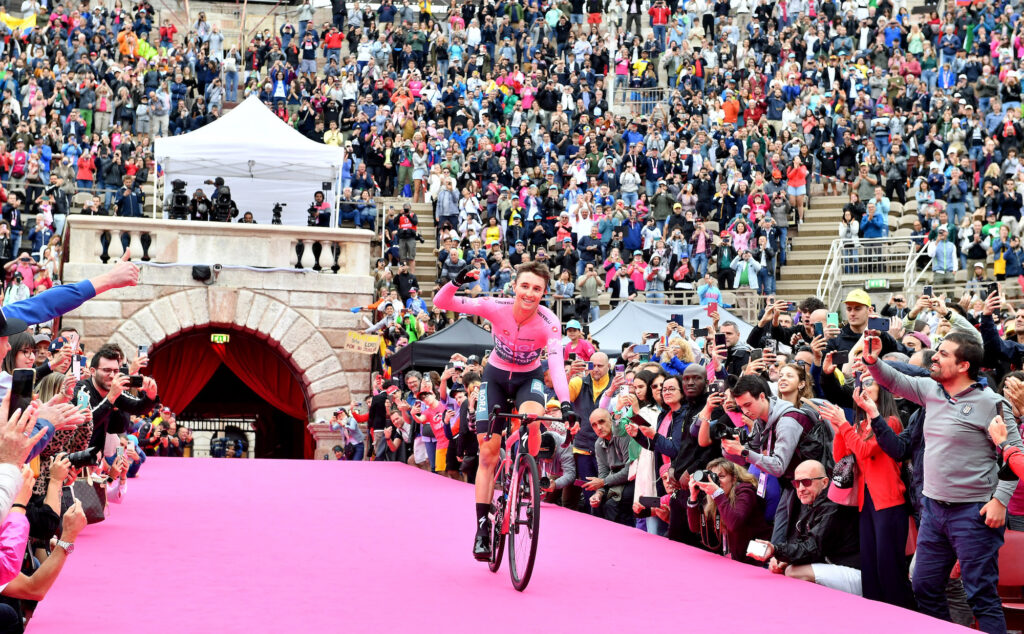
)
(883, 561)
(897, 186)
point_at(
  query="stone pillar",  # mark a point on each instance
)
(325, 439)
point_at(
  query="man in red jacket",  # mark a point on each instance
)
(659, 19)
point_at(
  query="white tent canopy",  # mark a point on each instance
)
(260, 157)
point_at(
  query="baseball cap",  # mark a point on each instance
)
(979, 265)
(553, 403)
(573, 323)
(942, 230)
(566, 239)
(41, 337)
(638, 252)
(858, 296)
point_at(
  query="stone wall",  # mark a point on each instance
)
(304, 315)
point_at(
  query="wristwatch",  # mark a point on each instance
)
(745, 453)
(69, 547)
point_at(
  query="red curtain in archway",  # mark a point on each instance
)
(182, 368)
(265, 373)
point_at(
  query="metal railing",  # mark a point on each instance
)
(641, 102)
(849, 265)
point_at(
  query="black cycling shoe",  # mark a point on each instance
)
(482, 543)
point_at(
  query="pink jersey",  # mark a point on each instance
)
(517, 347)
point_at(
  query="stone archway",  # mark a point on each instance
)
(316, 362)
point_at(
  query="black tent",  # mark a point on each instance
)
(433, 352)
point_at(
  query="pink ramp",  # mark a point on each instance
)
(256, 546)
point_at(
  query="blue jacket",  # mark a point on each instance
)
(873, 227)
(52, 303)
(631, 237)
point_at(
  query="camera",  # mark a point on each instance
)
(276, 212)
(224, 208)
(721, 432)
(178, 208)
(135, 381)
(705, 476)
(85, 458)
(314, 216)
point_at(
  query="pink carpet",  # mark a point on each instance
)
(314, 546)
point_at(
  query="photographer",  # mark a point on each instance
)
(731, 495)
(199, 206)
(109, 401)
(319, 211)
(223, 207)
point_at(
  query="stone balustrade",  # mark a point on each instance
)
(100, 238)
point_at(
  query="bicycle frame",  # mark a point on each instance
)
(511, 484)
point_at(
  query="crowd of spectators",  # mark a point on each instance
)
(823, 446)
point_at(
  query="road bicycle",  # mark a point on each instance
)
(515, 503)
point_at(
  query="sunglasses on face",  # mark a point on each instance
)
(806, 482)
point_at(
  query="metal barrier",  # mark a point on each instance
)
(849, 265)
(641, 102)
(746, 304)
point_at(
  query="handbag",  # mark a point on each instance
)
(844, 488)
(91, 493)
(843, 472)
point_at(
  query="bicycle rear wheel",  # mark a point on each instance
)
(498, 500)
(525, 523)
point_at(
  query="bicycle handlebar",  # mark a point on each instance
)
(497, 413)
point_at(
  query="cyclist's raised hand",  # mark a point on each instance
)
(467, 275)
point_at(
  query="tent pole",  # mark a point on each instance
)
(335, 217)
(155, 183)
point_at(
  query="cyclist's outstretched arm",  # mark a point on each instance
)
(446, 300)
(556, 365)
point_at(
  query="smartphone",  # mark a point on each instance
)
(717, 387)
(590, 365)
(83, 400)
(679, 319)
(720, 339)
(619, 369)
(21, 388)
(993, 287)
(700, 332)
(927, 291)
(578, 482)
(856, 379)
(639, 421)
(878, 323)
(143, 351)
(572, 357)
(76, 368)
(840, 358)
(642, 349)
(771, 344)
(756, 354)
(712, 308)
(135, 381)
(757, 550)
(650, 501)
(695, 324)
(418, 404)
(819, 329)
(650, 335)
(791, 307)
(833, 320)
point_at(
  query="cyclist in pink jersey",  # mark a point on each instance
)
(522, 328)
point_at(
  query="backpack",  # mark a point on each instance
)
(816, 441)
(20, 161)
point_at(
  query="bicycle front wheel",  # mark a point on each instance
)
(498, 501)
(525, 525)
